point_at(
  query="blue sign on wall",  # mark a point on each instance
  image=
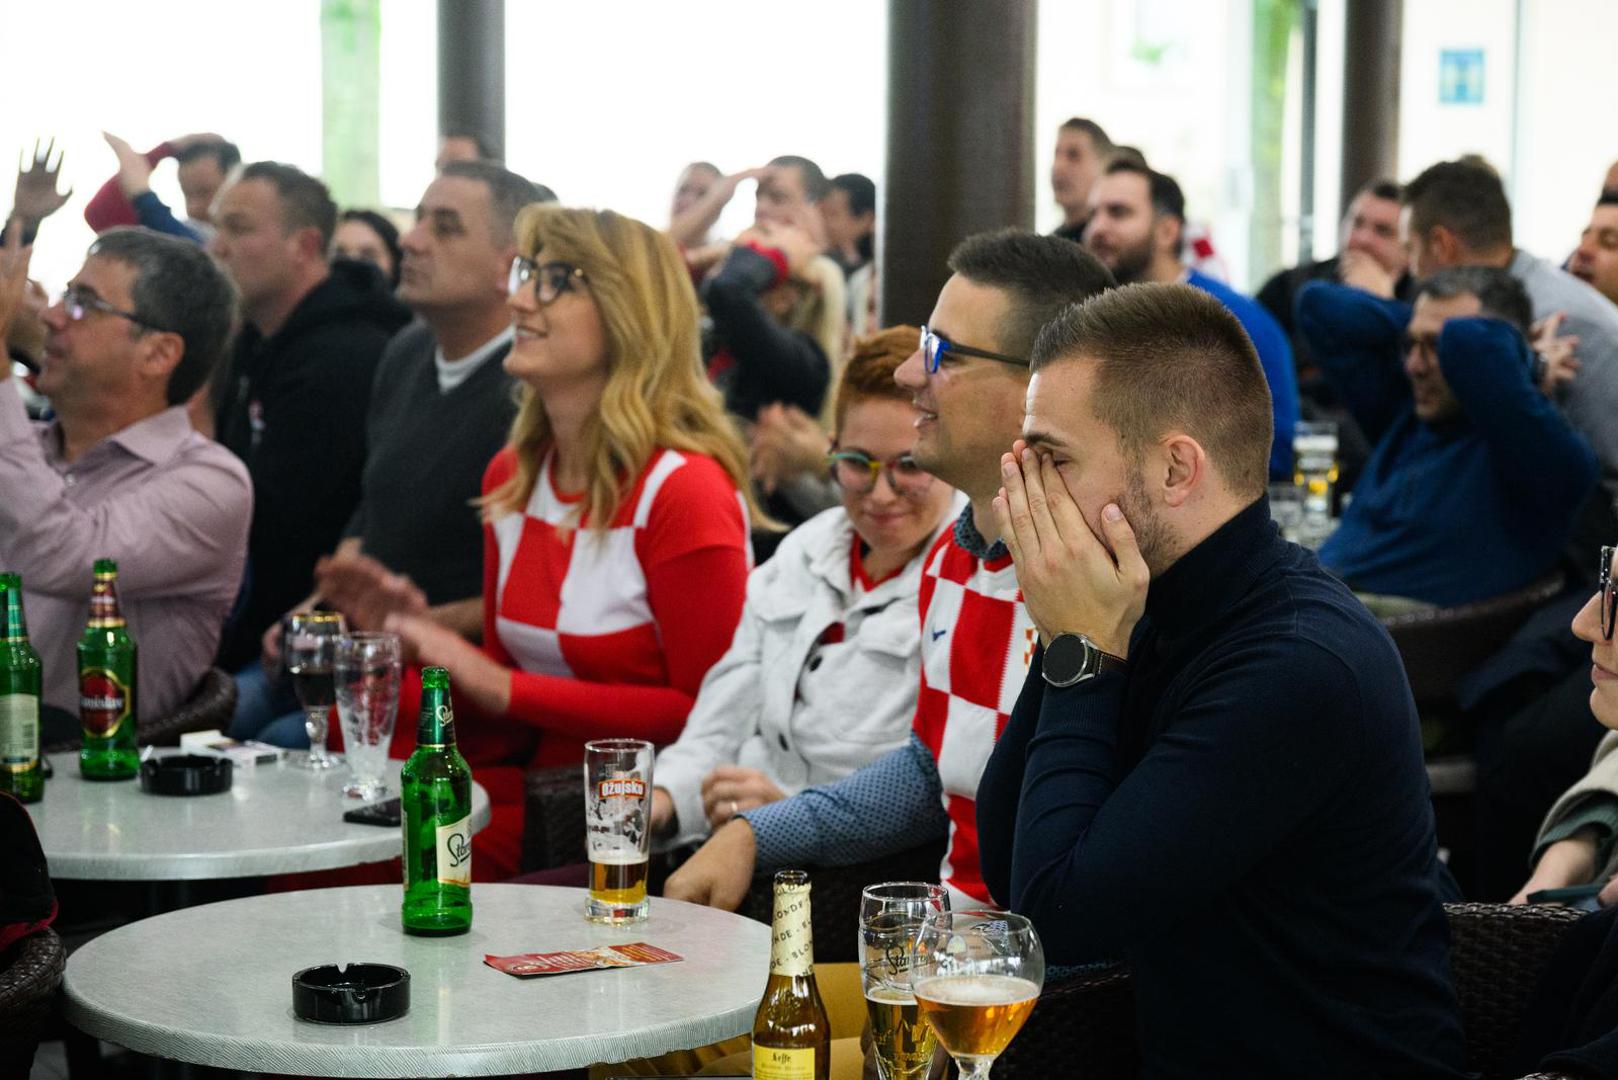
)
(1460, 77)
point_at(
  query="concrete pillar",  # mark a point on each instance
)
(1373, 30)
(960, 154)
(472, 70)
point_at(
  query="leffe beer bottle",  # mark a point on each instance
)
(21, 771)
(791, 1035)
(435, 793)
(107, 684)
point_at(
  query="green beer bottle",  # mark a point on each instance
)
(435, 795)
(107, 684)
(21, 772)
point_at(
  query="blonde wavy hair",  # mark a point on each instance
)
(657, 394)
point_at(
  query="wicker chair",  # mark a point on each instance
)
(28, 984)
(208, 708)
(1440, 645)
(553, 818)
(1497, 954)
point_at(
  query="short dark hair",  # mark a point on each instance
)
(861, 191)
(1098, 134)
(1500, 296)
(385, 230)
(1128, 153)
(1609, 197)
(227, 154)
(1166, 196)
(1171, 357)
(1383, 188)
(1465, 197)
(178, 288)
(1041, 274)
(509, 192)
(814, 180)
(305, 202)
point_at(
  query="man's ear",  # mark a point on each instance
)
(1444, 245)
(1183, 468)
(161, 355)
(1167, 232)
(308, 243)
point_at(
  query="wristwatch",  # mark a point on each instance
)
(1073, 658)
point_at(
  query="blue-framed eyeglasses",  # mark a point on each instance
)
(1609, 594)
(933, 347)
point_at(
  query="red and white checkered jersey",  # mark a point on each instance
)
(573, 603)
(976, 644)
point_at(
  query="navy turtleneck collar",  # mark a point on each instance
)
(972, 541)
(1210, 577)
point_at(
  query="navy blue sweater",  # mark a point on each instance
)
(1243, 818)
(1456, 510)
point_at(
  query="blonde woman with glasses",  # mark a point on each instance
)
(616, 519)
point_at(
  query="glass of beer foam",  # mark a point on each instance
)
(976, 976)
(617, 818)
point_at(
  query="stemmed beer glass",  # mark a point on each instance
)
(891, 917)
(309, 643)
(976, 976)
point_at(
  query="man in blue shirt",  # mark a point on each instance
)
(1476, 478)
(1137, 216)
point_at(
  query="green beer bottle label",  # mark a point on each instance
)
(454, 857)
(103, 702)
(19, 732)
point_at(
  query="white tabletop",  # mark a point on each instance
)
(275, 819)
(212, 985)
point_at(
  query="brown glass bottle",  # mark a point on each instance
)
(791, 1035)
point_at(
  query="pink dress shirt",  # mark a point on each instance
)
(171, 505)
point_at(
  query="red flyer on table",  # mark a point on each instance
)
(529, 965)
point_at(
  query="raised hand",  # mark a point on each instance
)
(134, 171)
(36, 195)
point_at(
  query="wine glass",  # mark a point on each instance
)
(309, 642)
(366, 670)
(976, 976)
(891, 917)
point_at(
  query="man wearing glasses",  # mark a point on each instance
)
(119, 472)
(440, 408)
(967, 379)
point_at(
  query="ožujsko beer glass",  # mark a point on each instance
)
(367, 673)
(617, 818)
(891, 917)
(976, 976)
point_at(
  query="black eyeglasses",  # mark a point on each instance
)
(1609, 594)
(78, 302)
(933, 348)
(855, 472)
(550, 279)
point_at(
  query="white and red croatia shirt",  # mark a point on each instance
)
(976, 644)
(610, 634)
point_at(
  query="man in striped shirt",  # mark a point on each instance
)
(968, 380)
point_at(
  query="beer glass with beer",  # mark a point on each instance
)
(976, 976)
(617, 817)
(891, 917)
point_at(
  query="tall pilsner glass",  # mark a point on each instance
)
(976, 976)
(617, 819)
(367, 672)
(891, 917)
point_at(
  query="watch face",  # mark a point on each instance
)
(1067, 659)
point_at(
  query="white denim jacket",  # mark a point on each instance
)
(766, 706)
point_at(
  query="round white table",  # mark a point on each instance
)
(212, 985)
(275, 819)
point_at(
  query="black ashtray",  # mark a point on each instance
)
(185, 774)
(356, 994)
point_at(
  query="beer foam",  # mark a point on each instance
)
(618, 856)
(976, 990)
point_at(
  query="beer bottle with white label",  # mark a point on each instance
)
(435, 796)
(791, 1035)
(21, 771)
(107, 684)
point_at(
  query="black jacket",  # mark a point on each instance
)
(769, 363)
(292, 407)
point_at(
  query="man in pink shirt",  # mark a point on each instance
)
(119, 472)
